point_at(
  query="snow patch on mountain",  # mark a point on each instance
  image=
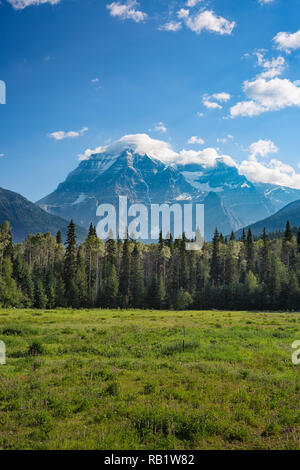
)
(82, 197)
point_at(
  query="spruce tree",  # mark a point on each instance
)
(288, 234)
(243, 238)
(250, 251)
(70, 264)
(59, 238)
(215, 267)
(298, 239)
(40, 297)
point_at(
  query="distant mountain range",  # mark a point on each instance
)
(277, 222)
(26, 217)
(231, 200)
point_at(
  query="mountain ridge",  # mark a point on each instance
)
(144, 178)
(25, 217)
(277, 221)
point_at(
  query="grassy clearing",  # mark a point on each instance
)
(99, 379)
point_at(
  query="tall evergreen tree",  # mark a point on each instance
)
(288, 234)
(250, 251)
(215, 266)
(70, 265)
(59, 238)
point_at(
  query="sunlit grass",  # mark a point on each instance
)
(99, 379)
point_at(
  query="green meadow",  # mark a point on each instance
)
(142, 379)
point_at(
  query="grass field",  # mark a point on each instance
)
(117, 379)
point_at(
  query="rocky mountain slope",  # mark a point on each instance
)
(231, 200)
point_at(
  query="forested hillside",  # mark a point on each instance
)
(234, 274)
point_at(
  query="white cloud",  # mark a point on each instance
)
(264, 95)
(274, 171)
(171, 26)
(265, 2)
(207, 20)
(183, 13)
(159, 127)
(139, 143)
(192, 3)
(127, 11)
(207, 157)
(287, 41)
(2, 155)
(246, 108)
(262, 148)
(21, 4)
(161, 150)
(196, 140)
(60, 135)
(223, 97)
(95, 80)
(224, 140)
(210, 104)
(201, 21)
(272, 68)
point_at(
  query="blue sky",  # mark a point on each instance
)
(215, 74)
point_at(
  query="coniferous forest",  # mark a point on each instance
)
(43, 272)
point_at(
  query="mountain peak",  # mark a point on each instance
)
(141, 144)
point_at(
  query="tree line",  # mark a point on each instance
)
(42, 272)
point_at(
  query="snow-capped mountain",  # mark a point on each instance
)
(127, 169)
(248, 201)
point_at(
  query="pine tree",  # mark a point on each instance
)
(250, 251)
(288, 234)
(70, 265)
(243, 238)
(22, 276)
(50, 290)
(298, 239)
(59, 238)
(83, 297)
(60, 299)
(215, 267)
(40, 297)
(266, 260)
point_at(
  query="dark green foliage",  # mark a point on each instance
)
(35, 349)
(59, 238)
(245, 274)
